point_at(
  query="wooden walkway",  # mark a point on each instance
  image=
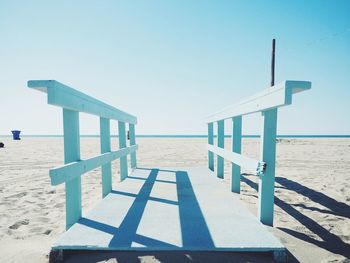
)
(186, 209)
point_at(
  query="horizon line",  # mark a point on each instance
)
(195, 135)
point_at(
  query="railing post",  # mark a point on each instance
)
(132, 142)
(211, 141)
(72, 154)
(268, 155)
(122, 144)
(221, 141)
(236, 147)
(105, 138)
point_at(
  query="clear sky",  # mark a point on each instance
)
(172, 63)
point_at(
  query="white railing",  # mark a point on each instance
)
(267, 102)
(72, 102)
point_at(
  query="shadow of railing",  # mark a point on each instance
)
(194, 230)
(330, 241)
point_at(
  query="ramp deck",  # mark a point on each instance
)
(186, 209)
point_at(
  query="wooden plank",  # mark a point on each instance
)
(75, 169)
(205, 217)
(105, 139)
(236, 148)
(72, 154)
(69, 98)
(272, 97)
(211, 142)
(236, 158)
(132, 142)
(268, 155)
(221, 144)
(122, 144)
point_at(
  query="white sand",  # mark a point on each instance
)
(312, 208)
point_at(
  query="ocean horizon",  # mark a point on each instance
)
(190, 136)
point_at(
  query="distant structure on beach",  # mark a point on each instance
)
(15, 134)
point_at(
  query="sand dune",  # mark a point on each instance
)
(312, 211)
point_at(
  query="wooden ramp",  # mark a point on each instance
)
(187, 209)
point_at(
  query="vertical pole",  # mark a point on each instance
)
(236, 147)
(122, 144)
(268, 155)
(72, 154)
(211, 142)
(132, 142)
(221, 140)
(105, 138)
(273, 62)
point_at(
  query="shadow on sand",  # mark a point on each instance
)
(330, 241)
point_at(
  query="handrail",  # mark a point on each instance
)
(72, 170)
(272, 97)
(267, 102)
(241, 160)
(69, 98)
(72, 102)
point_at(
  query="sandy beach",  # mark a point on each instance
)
(312, 196)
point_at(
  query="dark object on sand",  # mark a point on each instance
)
(2, 145)
(15, 135)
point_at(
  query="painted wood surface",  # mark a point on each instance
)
(122, 144)
(72, 170)
(106, 169)
(69, 98)
(272, 97)
(211, 142)
(73, 102)
(180, 208)
(221, 144)
(241, 160)
(132, 142)
(72, 154)
(268, 155)
(236, 148)
(266, 102)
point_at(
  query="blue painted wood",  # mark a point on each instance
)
(211, 142)
(72, 154)
(72, 170)
(272, 97)
(132, 142)
(105, 138)
(239, 159)
(69, 98)
(268, 155)
(236, 148)
(221, 142)
(182, 218)
(122, 144)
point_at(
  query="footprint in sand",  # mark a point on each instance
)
(19, 223)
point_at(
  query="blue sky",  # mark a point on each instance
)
(172, 63)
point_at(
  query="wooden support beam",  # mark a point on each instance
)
(72, 170)
(268, 155)
(66, 97)
(272, 97)
(221, 144)
(211, 142)
(122, 144)
(236, 148)
(236, 158)
(132, 142)
(105, 139)
(72, 154)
